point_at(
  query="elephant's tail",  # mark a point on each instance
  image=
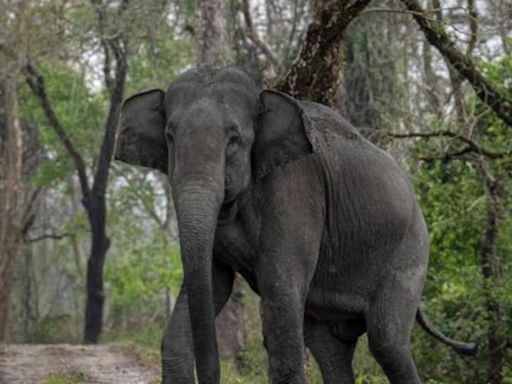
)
(467, 349)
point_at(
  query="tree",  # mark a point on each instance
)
(10, 193)
(11, 155)
(435, 33)
(93, 195)
(212, 39)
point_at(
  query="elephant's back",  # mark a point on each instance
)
(327, 124)
(370, 206)
(370, 202)
(365, 185)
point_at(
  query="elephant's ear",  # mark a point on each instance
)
(282, 133)
(141, 138)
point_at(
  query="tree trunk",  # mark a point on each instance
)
(93, 199)
(212, 38)
(27, 293)
(10, 192)
(491, 272)
(315, 74)
(95, 293)
(97, 207)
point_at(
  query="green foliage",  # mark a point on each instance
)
(143, 267)
(137, 284)
(68, 378)
(157, 64)
(453, 200)
(499, 73)
(80, 112)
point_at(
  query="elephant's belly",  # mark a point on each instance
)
(334, 307)
(345, 283)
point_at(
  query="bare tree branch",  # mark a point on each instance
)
(253, 35)
(54, 236)
(116, 100)
(472, 146)
(435, 33)
(100, 13)
(36, 83)
(448, 156)
(473, 27)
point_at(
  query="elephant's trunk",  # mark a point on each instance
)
(199, 192)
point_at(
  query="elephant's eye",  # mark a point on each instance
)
(169, 136)
(234, 140)
(232, 134)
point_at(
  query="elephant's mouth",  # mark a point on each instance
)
(230, 189)
(228, 211)
(229, 195)
(235, 186)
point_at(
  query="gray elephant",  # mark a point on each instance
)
(322, 224)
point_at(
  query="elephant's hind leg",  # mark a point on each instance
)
(389, 324)
(333, 355)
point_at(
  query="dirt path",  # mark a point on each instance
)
(102, 364)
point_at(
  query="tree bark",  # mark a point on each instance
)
(11, 188)
(26, 298)
(315, 74)
(97, 210)
(491, 272)
(95, 288)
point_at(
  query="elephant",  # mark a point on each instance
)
(322, 224)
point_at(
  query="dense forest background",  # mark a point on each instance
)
(88, 246)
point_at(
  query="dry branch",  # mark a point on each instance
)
(435, 33)
(45, 236)
(472, 146)
(253, 35)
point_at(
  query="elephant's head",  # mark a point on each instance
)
(213, 133)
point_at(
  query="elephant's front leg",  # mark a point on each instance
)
(286, 264)
(177, 346)
(282, 317)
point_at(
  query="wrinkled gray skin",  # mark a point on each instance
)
(321, 223)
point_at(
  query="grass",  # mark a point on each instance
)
(254, 367)
(67, 378)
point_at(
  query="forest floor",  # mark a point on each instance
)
(70, 364)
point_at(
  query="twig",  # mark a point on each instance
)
(447, 156)
(48, 236)
(471, 147)
(253, 35)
